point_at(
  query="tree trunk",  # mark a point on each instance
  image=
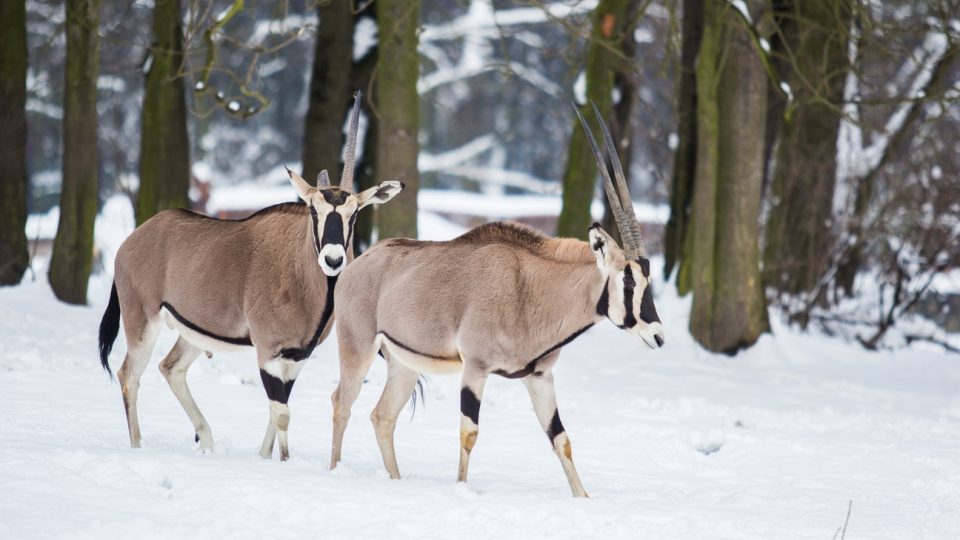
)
(361, 76)
(580, 176)
(396, 91)
(73, 245)
(799, 229)
(729, 309)
(685, 156)
(330, 91)
(14, 257)
(164, 143)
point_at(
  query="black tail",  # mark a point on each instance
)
(418, 389)
(109, 327)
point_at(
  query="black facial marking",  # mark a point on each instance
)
(277, 390)
(353, 221)
(470, 405)
(648, 312)
(603, 304)
(556, 427)
(531, 366)
(629, 321)
(316, 224)
(644, 266)
(334, 196)
(302, 353)
(333, 230)
(233, 341)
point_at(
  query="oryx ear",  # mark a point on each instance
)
(381, 193)
(603, 246)
(303, 188)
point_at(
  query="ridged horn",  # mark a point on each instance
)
(323, 179)
(623, 224)
(349, 159)
(625, 201)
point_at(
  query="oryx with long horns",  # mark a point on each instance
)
(265, 282)
(501, 299)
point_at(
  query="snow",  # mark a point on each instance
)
(677, 443)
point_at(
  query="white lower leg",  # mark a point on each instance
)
(280, 414)
(266, 448)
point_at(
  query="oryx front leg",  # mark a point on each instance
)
(353, 368)
(278, 376)
(544, 401)
(174, 368)
(471, 392)
(401, 381)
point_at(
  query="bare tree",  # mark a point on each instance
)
(73, 245)
(13, 142)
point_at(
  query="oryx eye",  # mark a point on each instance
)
(628, 280)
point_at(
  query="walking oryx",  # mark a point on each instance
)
(266, 282)
(503, 299)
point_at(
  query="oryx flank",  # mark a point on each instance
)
(501, 299)
(265, 282)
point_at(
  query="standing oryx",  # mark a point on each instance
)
(266, 282)
(503, 299)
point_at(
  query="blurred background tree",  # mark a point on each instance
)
(792, 158)
(13, 142)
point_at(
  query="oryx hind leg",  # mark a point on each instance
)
(355, 361)
(174, 368)
(471, 393)
(401, 381)
(278, 376)
(544, 400)
(141, 332)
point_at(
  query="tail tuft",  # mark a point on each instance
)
(418, 389)
(109, 327)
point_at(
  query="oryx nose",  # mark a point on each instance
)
(659, 339)
(333, 262)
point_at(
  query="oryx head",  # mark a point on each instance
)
(627, 297)
(333, 209)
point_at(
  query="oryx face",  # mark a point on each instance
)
(627, 297)
(333, 212)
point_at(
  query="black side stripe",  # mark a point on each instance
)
(302, 353)
(414, 351)
(532, 365)
(233, 341)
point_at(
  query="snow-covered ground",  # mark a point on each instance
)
(674, 443)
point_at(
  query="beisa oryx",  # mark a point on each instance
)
(265, 282)
(501, 299)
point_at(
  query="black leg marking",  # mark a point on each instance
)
(556, 427)
(470, 405)
(277, 390)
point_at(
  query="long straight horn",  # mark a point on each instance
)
(625, 201)
(622, 223)
(346, 181)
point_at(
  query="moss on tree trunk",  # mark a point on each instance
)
(685, 156)
(729, 309)
(164, 143)
(798, 234)
(73, 245)
(13, 142)
(399, 118)
(330, 91)
(580, 175)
